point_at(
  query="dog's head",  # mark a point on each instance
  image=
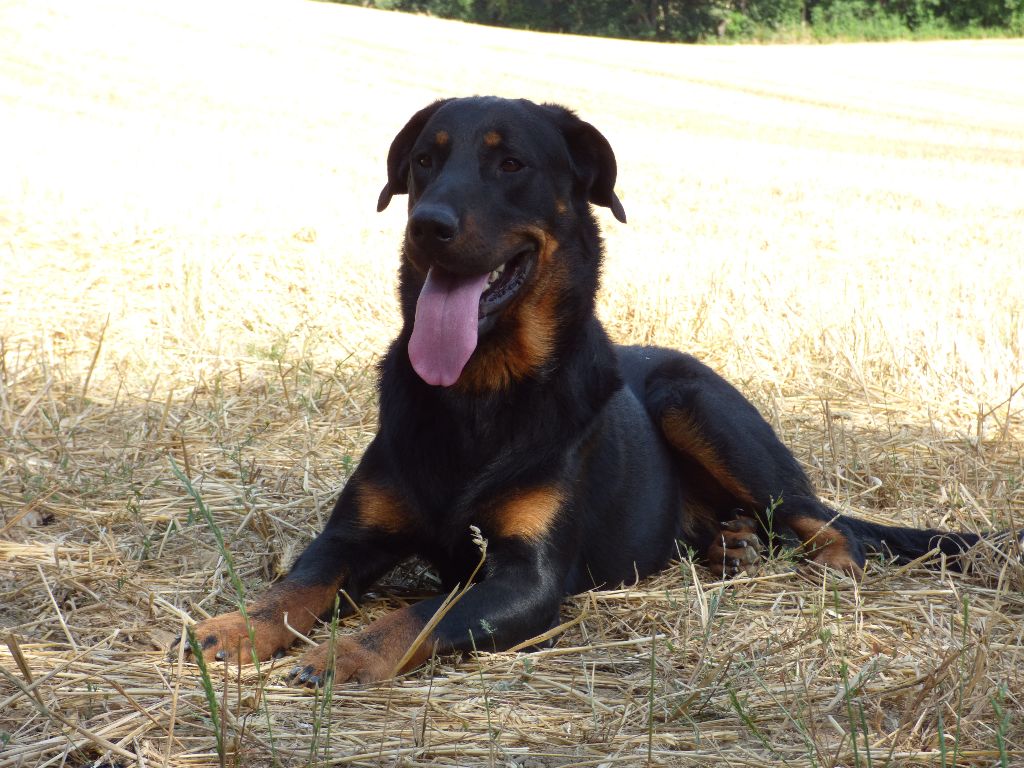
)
(499, 199)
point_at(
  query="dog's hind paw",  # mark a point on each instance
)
(736, 549)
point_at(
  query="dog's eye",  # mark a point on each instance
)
(424, 161)
(511, 165)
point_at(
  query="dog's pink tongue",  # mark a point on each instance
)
(444, 333)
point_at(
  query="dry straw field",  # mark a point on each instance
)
(191, 269)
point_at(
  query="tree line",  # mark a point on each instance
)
(708, 20)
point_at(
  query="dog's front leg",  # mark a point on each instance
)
(366, 534)
(518, 598)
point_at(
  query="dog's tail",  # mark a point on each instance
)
(905, 545)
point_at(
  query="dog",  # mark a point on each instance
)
(505, 406)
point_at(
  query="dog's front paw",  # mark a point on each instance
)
(737, 547)
(352, 662)
(226, 638)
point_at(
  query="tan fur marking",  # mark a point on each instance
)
(561, 207)
(824, 544)
(229, 634)
(303, 603)
(374, 653)
(380, 508)
(441, 138)
(492, 138)
(530, 514)
(529, 342)
(686, 436)
(392, 635)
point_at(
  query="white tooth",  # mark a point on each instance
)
(493, 277)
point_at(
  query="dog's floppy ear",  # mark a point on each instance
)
(593, 160)
(398, 155)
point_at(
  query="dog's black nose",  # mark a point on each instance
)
(433, 225)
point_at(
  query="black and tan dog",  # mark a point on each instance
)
(504, 405)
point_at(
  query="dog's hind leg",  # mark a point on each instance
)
(741, 484)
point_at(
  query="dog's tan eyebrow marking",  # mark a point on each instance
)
(441, 138)
(492, 138)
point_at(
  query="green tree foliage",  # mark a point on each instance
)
(701, 20)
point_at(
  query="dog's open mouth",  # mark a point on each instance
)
(504, 283)
(453, 311)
